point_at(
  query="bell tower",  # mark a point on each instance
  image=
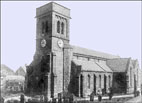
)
(52, 30)
(52, 47)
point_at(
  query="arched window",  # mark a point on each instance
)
(109, 80)
(100, 81)
(62, 28)
(81, 85)
(46, 26)
(137, 77)
(95, 83)
(88, 81)
(58, 26)
(130, 76)
(43, 27)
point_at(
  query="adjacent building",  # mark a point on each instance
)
(21, 71)
(13, 84)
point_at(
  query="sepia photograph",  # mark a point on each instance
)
(71, 52)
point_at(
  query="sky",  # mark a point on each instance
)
(112, 27)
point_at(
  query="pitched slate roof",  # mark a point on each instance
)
(88, 66)
(85, 51)
(104, 66)
(119, 64)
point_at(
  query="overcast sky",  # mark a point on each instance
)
(110, 27)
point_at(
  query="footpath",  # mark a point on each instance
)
(135, 100)
(106, 97)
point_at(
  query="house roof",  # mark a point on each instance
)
(5, 70)
(85, 51)
(14, 77)
(88, 66)
(21, 71)
(118, 65)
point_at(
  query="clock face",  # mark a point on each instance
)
(60, 43)
(43, 43)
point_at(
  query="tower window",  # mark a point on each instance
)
(46, 29)
(43, 27)
(58, 26)
(62, 28)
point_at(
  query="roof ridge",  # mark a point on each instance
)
(92, 52)
(119, 58)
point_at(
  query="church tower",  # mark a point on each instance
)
(51, 64)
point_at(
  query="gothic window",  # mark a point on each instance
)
(43, 27)
(100, 81)
(127, 78)
(62, 28)
(81, 85)
(46, 25)
(137, 77)
(130, 76)
(88, 81)
(58, 26)
(109, 80)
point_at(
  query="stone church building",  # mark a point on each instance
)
(59, 67)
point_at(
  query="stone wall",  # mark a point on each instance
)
(87, 91)
(75, 83)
